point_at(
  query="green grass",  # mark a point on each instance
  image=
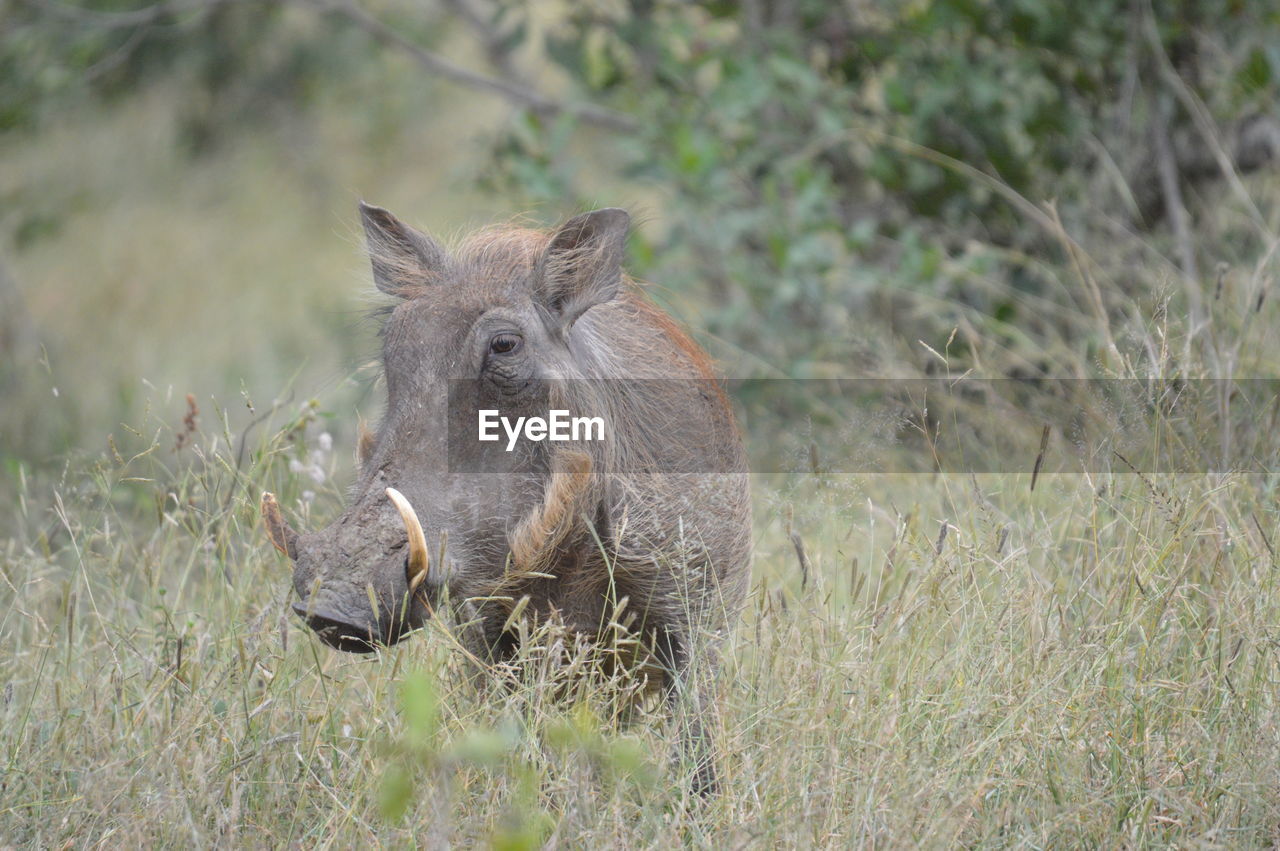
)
(1076, 665)
(969, 662)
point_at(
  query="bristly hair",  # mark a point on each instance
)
(503, 248)
(496, 252)
(499, 250)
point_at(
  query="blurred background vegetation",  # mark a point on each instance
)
(1027, 187)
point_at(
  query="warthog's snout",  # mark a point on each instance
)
(338, 632)
(344, 616)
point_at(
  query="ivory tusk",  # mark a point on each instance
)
(415, 572)
(282, 537)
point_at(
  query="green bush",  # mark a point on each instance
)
(826, 164)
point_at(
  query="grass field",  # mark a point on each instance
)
(1094, 663)
(966, 661)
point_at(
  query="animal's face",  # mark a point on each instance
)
(486, 328)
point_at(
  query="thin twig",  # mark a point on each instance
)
(1195, 107)
(494, 46)
(442, 67)
(117, 57)
(123, 20)
(1167, 169)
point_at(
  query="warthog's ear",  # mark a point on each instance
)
(402, 257)
(582, 266)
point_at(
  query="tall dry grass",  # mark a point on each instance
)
(965, 660)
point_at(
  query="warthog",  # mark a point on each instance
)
(647, 525)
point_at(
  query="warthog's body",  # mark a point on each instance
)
(656, 514)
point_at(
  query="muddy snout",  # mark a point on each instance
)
(359, 588)
(351, 609)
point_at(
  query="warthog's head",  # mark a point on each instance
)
(486, 326)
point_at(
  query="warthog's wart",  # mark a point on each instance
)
(558, 425)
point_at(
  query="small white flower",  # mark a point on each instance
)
(317, 474)
(326, 441)
(295, 466)
(308, 496)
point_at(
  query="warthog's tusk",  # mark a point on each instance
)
(415, 571)
(283, 538)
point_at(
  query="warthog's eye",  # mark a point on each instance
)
(504, 344)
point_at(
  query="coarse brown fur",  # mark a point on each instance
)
(655, 517)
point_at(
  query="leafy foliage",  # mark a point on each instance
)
(825, 164)
(240, 62)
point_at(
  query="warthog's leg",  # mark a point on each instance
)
(686, 689)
